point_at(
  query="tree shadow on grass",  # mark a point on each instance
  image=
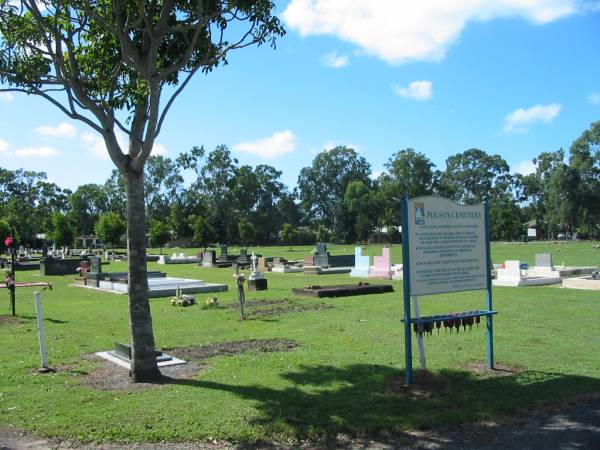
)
(370, 401)
(46, 319)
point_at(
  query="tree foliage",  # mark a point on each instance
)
(160, 234)
(111, 228)
(63, 233)
(322, 187)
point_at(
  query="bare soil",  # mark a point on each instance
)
(256, 309)
(203, 352)
(9, 320)
(108, 376)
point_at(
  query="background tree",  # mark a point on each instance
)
(585, 159)
(289, 234)
(204, 233)
(111, 228)
(160, 234)
(101, 62)
(4, 233)
(86, 204)
(323, 234)
(246, 231)
(63, 233)
(162, 185)
(409, 172)
(322, 187)
(472, 176)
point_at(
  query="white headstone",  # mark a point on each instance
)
(511, 271)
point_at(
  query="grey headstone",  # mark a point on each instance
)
(96, 264)
(543, 260)
(321, 248)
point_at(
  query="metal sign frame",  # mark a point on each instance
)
(409, 320)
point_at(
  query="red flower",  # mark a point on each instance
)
(8, 242)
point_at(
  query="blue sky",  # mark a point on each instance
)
(510, 77)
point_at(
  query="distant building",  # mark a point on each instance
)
(534, 228)
(88, 241)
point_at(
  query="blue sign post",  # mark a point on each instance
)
(445, 248)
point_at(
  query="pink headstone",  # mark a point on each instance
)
(383, 265)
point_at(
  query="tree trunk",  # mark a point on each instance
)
(143, 359)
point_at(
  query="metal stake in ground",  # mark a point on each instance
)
(239, 277)
(41, 334)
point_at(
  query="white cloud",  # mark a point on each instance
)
(594, 98)
(3, 147)
(520, 119)
(419, 90)
(278, 144)
(526, 167)
(159, 149)
(334, 60)
(94, 144)
(40, 152)
(329, 145)
(62, 130)
(376, 174)
(398, 31)
(6, 97)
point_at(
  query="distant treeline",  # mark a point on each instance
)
(336, 198)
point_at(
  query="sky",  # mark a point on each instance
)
(510, 77)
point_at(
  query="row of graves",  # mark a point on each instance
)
(382, 267)
(159, 284)
(225, 259)
(515, 273)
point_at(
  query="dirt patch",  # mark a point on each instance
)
(256, 309)
(9, 320)
(499, 370)
(108, 376)
(425, 385)
(204, 352)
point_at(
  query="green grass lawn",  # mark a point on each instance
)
(340, 379)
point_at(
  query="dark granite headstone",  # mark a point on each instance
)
(257, 285)
(55, 266)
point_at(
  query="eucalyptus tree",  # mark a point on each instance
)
(322, 185)
(107, 64)
(585, 158)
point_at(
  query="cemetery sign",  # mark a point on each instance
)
(447, 245)
(445, 248)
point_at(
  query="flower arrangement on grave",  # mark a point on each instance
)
(211, 302)
(183, 299)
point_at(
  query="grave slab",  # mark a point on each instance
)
(343, 290)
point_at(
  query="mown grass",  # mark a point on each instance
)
(341, 379)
